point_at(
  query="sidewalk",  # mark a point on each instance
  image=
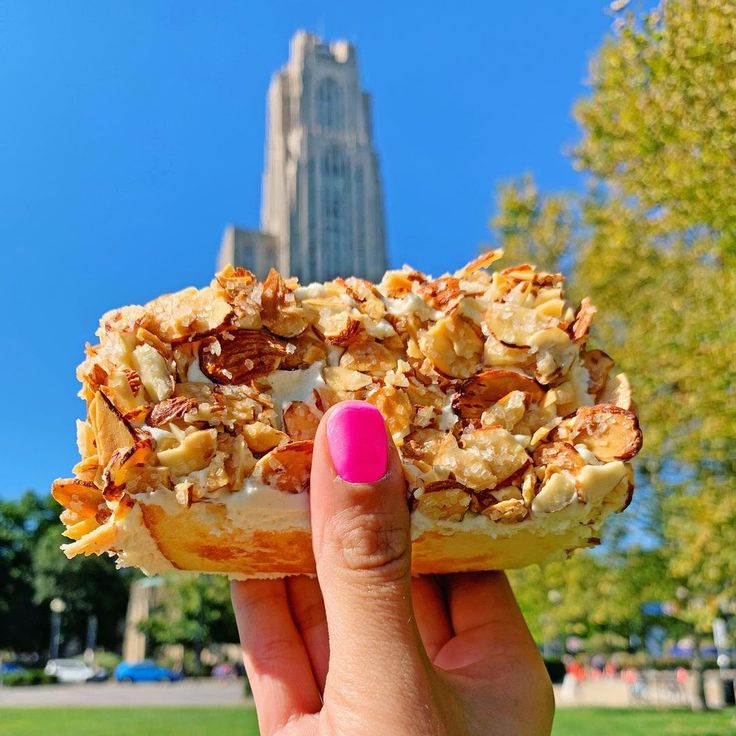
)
(661, 691)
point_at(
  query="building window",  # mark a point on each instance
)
(330, 110)
(336, 194)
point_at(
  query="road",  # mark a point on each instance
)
(187, 692)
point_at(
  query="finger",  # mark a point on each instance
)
(308, 612)
(277, 664)
(360, 535)
(478, 598)
(431, 613)
(487, 622)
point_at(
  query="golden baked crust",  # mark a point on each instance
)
(202, 407)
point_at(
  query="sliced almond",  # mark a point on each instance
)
(262, 437)
(121, 463)
(617, 391)
(344, 379)
(249, 354)
(287, 467)
(444, 500)
(583, 319)
(280, 312)
(507, 411)
(112, 430)
(595, 482)
(81, 497)
(170, 409)
(396, 408)
(440, 292)
(510, 511)
(484, 389)
(599, 365)
(369, 356)
(514, 324)
(609, 432)
(193, 453)
(368, 298)
(453, 346)
(557, 492)
(490, 457)
(558, 456)
(301, 420)
(190, 314)
(484, 260)
(154, 372)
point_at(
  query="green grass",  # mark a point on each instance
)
(131, 721)
(237, 721)
(615, 722)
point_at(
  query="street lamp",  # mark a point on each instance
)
(57, 607)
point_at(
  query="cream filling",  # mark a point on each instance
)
(288, 386)
(412, 304)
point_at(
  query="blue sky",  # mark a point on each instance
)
(132, 133)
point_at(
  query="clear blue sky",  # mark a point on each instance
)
(132, 133)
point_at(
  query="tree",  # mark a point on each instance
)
(195, 611)
(88, 585)
(23, 626)
(653, 244)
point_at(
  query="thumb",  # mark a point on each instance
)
(361, 539)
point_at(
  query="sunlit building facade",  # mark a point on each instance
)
(322, 205)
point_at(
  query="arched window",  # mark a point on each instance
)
(330, 112)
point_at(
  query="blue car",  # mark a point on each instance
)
(9, 668)
(145, 671)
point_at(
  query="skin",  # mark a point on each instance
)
(366, 649)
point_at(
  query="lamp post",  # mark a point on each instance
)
(57, 607)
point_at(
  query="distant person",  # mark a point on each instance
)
(437, 654)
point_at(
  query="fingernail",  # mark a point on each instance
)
(356, 438)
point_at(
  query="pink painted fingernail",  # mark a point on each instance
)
(356, 437)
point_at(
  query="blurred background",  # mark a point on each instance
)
(141, 144)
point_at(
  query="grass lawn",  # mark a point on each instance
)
(614, 722)
(242, 722)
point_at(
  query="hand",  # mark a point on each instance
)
(367, 649)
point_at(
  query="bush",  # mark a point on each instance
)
(555, 669)
(28, 677)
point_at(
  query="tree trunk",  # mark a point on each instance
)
(697, 680)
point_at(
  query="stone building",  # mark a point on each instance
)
(322, 205)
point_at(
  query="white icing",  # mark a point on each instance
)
(310, 291)
(380, 330)
(288, 386)
(195, 375)
(157, 433)
(412, 303)
(258, 506)
(447, 418)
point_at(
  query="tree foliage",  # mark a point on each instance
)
(23, 625)
(652, 242)
(88, 585)
(195, 611)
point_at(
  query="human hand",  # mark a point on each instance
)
(365, 648)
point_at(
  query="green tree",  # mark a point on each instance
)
(88, 585)
(23, 625)
(195, 611)
(653, 244)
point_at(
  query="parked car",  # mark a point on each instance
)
(146, 671)
(69, 670)
(10, 668)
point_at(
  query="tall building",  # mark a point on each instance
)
(322, 206)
